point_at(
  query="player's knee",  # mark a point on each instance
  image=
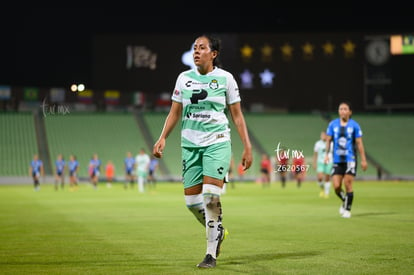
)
(213, 204)
(211, 195)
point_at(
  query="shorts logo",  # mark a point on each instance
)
(220, 170)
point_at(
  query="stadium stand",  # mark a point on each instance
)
(110, 135)
(172, 153)
(17, 143)
(387, 139)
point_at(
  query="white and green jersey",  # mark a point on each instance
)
(142, 162)
(320, 149)
(204, 99)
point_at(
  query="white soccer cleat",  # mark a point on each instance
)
(346, 214)
(342, 210)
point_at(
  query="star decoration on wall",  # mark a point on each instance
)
(287, 51)
(267, 52)
(328, 48)
(246, 52)
(246, 79)
(267, 78)
(349, 48)
(307, 49)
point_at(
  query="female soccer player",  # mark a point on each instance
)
(346, 135)
(60, 166)
(199, 100)
(36, 170)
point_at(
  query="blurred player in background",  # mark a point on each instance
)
(73, 166)
(323, 169)
(109, 173)
(282, 160)
(346, 135)
(265, 170)
(94, 170)
(129, 165)
(142, 161)
(153, 166)
(36, 170)
(60, 166)
(298, 169)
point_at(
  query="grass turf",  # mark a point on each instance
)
(272, 231)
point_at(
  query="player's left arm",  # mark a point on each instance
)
(240, 123)
(361, 151)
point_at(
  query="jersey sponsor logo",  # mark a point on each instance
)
(197, 107)
(198, 95)
(197, 115)
(341, 152)
(342, 142)
(201, 116)
(190, 83)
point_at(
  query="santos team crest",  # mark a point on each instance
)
(213, 84)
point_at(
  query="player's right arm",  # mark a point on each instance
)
(314, 162)
(328, 148)
(173, 117)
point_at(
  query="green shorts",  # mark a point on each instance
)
(212, 161)
(143, 174)
(324, 168)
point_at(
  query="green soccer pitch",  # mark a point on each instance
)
(272, 230)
